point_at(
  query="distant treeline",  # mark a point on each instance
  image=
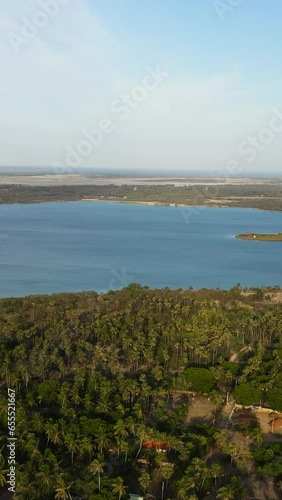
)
(265, 196)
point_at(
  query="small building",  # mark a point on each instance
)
(275, 423)
(135, 497)
(273, 415)
(155, 445)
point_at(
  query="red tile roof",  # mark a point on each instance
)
(154, 444)
(276, 422)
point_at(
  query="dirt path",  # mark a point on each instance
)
(234, 358)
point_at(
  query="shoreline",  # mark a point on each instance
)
(270, 237)
(133, 202)
(246, 291)
(265, 196)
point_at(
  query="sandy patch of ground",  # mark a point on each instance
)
(201, 410)
(268, 435)
(80, 179)
(262, 490)
(263, 416)
(222, 200)
(275, 297)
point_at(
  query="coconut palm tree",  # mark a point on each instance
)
(103, 406)
(31, 445)
(215, 472)
(72, 444)
(121, 433)
(256, 436)
(102, 440)
(63, 489)
(3, 475)
(37, 423)
(138, 411)
(167, 471)
(88, 403)
(131, 425)
(86, 447)
(160, 459)
(49, 428)
(121, 429)
(96, 467)
(142, 434)
(118, 487)
(232, 491)
(144, 481)
(5, 372)
(124, 448)
(25, 487)
(55, 435)
(182, 488)
(63, 396)
(46, 479)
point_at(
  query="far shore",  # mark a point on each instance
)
(170, 192)
(259, 237)
(155, 203)
(133, 202)
(78, 179)
(129, 202)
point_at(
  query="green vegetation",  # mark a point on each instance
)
(264, 196)
(247, 394)
(99, 378)
(200, 379)
(260, 237)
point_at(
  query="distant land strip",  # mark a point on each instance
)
(266, 196)
(260, 237)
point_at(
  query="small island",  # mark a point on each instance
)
(260, 237)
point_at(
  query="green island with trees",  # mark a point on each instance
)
(261, 196)
(260, 237)
(106, 384)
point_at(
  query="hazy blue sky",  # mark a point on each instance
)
(214, 104)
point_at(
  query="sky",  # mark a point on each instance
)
(159, 84)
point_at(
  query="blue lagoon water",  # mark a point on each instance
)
(75, 246)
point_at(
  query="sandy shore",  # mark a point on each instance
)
(128, 202)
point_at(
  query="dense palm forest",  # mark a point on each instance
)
(104, 385)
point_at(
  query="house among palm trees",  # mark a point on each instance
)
(155, 445)
(275, 423)
(135, 497)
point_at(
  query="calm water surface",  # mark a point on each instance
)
(57, 247)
